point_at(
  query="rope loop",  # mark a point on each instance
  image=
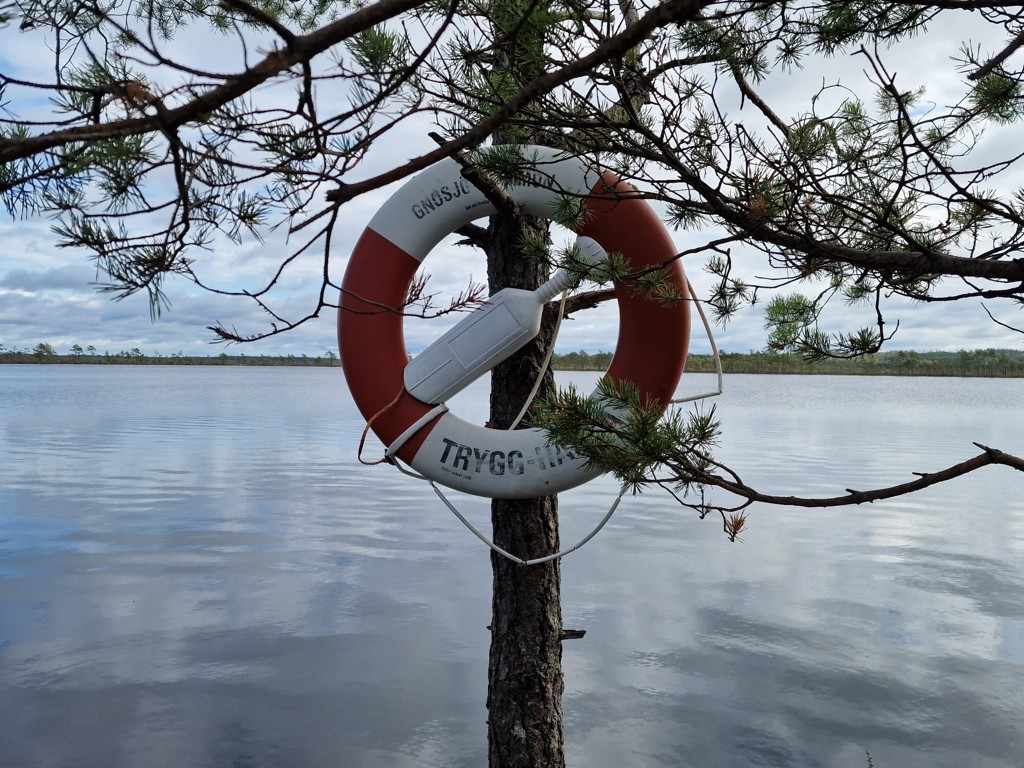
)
(366, 431)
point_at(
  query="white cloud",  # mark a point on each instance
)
(70, 277)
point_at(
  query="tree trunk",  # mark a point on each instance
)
(524, 686)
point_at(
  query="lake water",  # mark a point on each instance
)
(194, 571)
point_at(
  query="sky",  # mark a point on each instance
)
(50, 295)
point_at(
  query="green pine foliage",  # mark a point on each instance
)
(622, 435)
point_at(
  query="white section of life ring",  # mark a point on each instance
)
(439, 200)
(519, 463)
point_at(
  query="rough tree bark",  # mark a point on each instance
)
(524, 680)
(524, 685)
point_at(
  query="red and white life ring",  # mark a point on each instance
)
(650, 353)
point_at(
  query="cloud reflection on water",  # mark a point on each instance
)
(195, 571)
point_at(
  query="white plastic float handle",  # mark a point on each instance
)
(490, 334)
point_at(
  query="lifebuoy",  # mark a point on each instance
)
(650, 353)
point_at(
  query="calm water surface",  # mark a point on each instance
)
(194, 571)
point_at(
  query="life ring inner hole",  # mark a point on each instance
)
(452, 268)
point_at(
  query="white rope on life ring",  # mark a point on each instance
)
(650, 353)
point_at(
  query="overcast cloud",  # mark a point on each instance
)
(51, 295)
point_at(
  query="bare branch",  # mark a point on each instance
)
(587, 300)
(990, 456)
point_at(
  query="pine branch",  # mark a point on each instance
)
(487, 184)
(303, 48)
(645, 448)
(990, 66)
(670, 12)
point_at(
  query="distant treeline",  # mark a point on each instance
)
(45, 354)
(983, 362)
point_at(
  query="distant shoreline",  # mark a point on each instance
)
(28, 358)
(987, 363)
